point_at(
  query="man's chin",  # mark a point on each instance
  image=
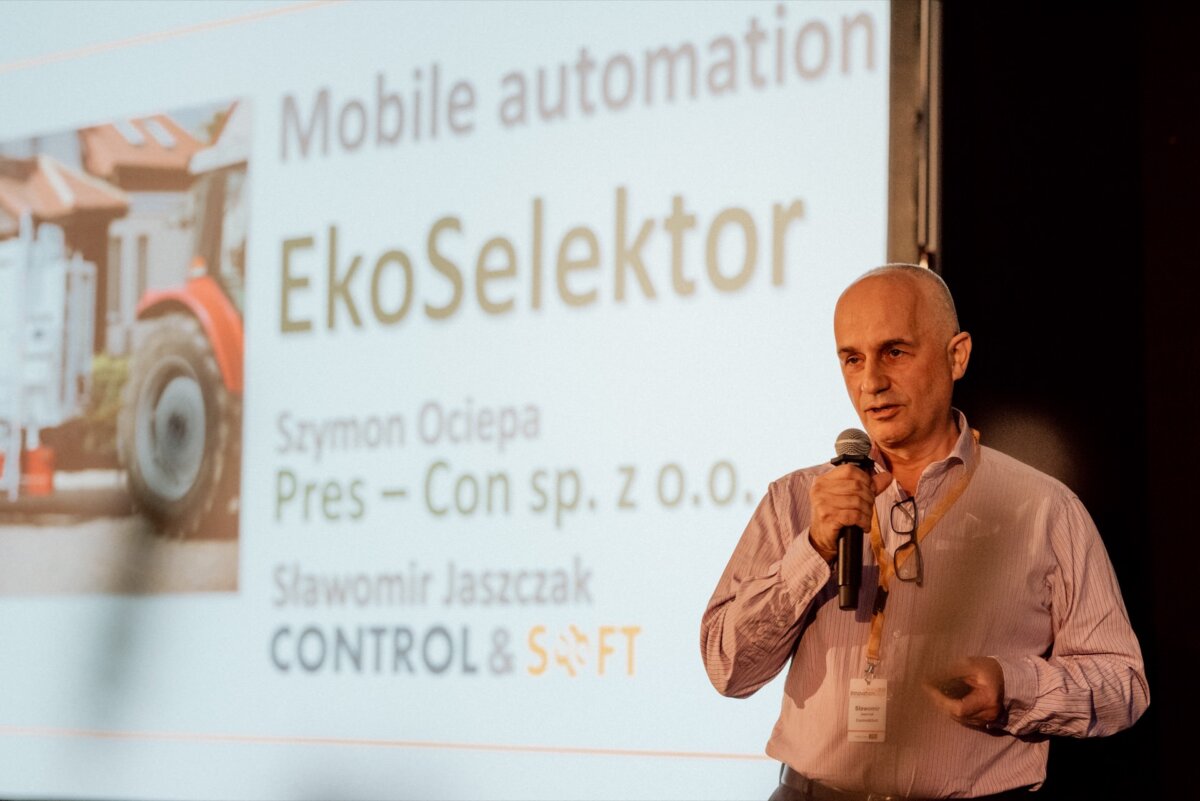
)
(885, 433)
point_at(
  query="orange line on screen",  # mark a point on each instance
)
(159, 36)
(259, 739)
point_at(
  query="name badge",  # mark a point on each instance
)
(868, 710)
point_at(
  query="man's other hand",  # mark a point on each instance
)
(842, 497)
(971, 692)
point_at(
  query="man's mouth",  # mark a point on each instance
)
(882, 411)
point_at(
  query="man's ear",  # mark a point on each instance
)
(959, 352)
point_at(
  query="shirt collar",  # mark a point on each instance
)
(963, 453)
(964, 448)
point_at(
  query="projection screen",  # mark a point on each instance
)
(385, 385)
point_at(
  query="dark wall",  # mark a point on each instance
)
(1070, 222)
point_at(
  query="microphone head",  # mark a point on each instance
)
(852, 442)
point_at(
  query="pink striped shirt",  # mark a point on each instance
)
(1015, 570)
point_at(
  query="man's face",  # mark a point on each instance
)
(899, 359)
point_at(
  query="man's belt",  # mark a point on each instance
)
(815, 791)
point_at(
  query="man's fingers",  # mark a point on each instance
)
(845, 496)
(848, 516)
(974, 704)
(847, 503)
(846, 476)
(950, 706)
(842, 509)
(969, 692)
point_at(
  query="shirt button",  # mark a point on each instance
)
(895, 635)
(781, 622)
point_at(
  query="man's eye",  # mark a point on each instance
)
(895, 353)
(852, 360)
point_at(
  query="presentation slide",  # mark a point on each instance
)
(384, 386)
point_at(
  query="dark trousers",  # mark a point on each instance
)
(785, 793)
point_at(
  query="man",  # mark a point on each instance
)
(989, 614)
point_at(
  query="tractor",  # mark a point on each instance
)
(179, 428)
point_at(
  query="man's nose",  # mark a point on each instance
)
(874, 378)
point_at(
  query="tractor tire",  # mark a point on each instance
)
(179, 433)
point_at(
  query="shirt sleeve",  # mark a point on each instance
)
(750, 626)
(1093, 682)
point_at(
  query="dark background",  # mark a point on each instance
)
(1070, 225)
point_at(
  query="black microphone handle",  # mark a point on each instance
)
(852, 447)
(849, 566)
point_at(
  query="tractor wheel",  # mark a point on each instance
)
(179, 431)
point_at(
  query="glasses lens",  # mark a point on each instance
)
(908, 565)
(904, 516)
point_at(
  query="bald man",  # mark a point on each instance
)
(989, 614)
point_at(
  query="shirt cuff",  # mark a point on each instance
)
(1020, 690)
(802, 569)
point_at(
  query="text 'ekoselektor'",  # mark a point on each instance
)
(511, 273)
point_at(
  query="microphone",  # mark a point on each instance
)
(852, 446)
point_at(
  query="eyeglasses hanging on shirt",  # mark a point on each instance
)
(904, 523)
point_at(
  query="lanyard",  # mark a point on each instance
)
(887, 567)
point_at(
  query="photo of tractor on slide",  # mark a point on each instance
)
(180, 423)
(122, 270)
